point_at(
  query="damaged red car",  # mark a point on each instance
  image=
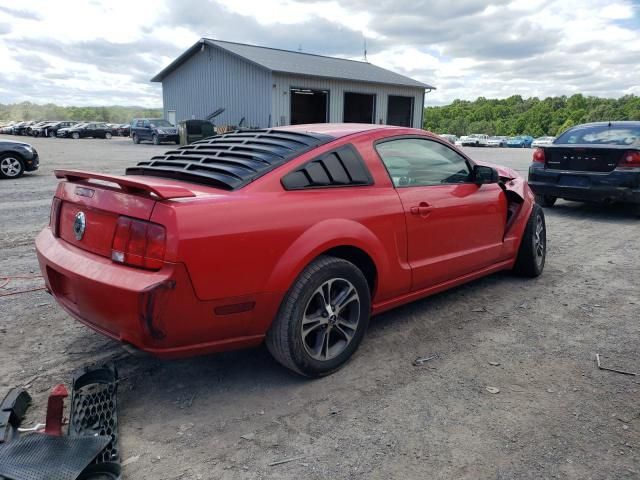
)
(295, 236)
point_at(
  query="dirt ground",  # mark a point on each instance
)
(232, 415)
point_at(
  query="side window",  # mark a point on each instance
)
(342, 167)
(414, 162)
(139, 123)
(146, 124)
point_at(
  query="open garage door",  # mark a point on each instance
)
(400, 111)
(359, 108)
(309, 106)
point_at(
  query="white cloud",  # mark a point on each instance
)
(104, 52)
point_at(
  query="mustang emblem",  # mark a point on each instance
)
(79, 225)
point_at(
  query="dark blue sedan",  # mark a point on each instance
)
(598, 162)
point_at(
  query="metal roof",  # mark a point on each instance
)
(299, 63)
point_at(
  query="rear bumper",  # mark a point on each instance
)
(157, 312)
(620, 185)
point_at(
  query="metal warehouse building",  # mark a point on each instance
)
(269, 87)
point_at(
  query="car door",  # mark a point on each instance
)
(454, 226)
(146, 130)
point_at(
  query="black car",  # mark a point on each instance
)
(51, 129)
(17, 158)
(594, 162)
(156, 130)
(86, 130)
(124, 130)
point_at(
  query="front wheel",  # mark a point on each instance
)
(52, 134)
(322, 319)
(546, 200)
(75, 135)
(11, 166)
(156, 140)
(533, 246)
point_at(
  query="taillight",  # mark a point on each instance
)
(630, 159)
(138, 243)
(54, 216)
(538, 155)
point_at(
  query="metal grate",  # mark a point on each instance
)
(94, 409)
(232, 160)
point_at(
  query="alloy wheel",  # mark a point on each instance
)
(330, 319)
(10, 167)
(539, 239)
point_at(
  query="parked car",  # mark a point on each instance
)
(124, 130)
(542, 141)
(41, 129)
(86, 130)
(521, 141)
(350, 233)
(156, 130)
(497, 141)
(52, 129)
(593, 162)
(17, 158)
(474, 140)
(21, 128)
(449, 138)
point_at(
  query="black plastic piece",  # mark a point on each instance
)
(232, 160)
(12, 410)
(339, 168)
(94, 411)
(47, 457)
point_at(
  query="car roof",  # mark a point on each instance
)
(338, 130)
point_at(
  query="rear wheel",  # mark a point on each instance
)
(533, 247)
(546, 200)
(156, 140)
(136, 139)
(11, 166)
(322, 319)
(75, 135)
(108, 135)
(52, 133)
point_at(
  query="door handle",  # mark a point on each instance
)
(423, 209)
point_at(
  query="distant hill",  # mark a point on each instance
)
(531, 116)
(49, 111)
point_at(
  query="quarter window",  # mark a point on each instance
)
(414, 162)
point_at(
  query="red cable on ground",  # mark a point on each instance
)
(5, 281)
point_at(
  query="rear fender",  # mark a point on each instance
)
(322, 237)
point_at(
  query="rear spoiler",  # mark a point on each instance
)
(128, 184)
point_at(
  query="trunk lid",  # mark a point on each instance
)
(90, 205)
(583, 158)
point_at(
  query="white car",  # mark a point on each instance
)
(542, 141)
(474, 140)
(497, 141)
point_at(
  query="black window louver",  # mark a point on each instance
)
(232, 160)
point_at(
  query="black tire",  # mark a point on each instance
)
(546, 201)
(285, 338)
(11, 166)
(533, 248)
(52, 133)
(156, 140)
(108, 135)
(75, 135)
(136, 139)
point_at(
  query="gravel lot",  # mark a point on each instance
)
(231, 415)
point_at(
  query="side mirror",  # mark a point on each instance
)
(483, 174)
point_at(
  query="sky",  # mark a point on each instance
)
(105, 52)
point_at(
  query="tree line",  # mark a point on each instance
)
(50, 111)
(530, 116)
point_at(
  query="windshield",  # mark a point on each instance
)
(160, 123)
(602, 135)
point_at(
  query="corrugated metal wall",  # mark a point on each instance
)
(211, 79)
(281, 106)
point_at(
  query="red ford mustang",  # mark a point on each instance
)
(293, 234)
